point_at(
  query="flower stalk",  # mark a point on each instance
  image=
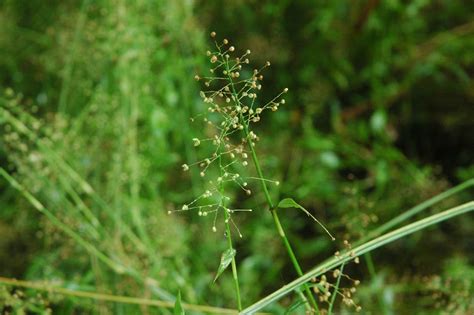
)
(228, 235)
(268, 198)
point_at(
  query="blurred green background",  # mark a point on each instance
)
(95, 101)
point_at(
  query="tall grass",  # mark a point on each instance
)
(98, 166)
(97, 158)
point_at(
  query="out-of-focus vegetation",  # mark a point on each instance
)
(95, 106)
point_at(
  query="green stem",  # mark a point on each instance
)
(233, 264)
(293, 259)
(273, 210)
(229, 244)
(276, 219)
(336, 288)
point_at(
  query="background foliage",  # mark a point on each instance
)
(95, 105)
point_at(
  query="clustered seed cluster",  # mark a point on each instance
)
(21, 303)
(231, 95)
(325, 288)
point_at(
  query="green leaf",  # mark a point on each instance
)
(226, 259)
(178, 308)
(290, 203)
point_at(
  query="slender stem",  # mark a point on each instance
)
(257, 166)
(229, 244)
(336, 288)
(273, 210)
(233, 264)
(293, 258)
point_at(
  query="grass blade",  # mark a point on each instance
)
(359, 250)
(178, 308)
(415, 210)
(88, 246)
(42, 286)
(290, 203)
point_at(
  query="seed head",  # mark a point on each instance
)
(196, 142)
(232, 106)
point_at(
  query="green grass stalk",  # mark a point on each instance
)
(273, 210)
(235, 275)
(228, 235)
(336, 288)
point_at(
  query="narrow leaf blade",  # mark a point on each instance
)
(226, 259)
(291, 203)
(178, 308)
